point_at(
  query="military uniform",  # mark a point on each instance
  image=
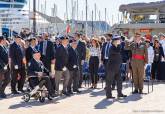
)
(139, 58)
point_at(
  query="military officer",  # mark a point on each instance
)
(138, 61)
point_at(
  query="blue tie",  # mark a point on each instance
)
(107, 50)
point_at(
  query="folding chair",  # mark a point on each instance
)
(85, 70)
(101, 74)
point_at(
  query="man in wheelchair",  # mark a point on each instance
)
(39, 74)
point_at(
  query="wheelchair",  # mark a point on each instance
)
(38, 93)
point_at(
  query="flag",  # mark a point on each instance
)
(68, 29)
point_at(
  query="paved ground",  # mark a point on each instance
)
(91, 102)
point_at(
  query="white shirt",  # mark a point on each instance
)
(94, 51)
(150, 54)
(162, 42)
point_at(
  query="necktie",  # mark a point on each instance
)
(44, 47)
(107, 50)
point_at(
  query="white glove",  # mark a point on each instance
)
(82, 62)
(5, 68)
(40, 74)
(52, 74)
(75, 66)
(16, 67)
(64, 69)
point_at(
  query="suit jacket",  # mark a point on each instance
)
(29, 53)
(50, 54)
(81, 49)
(3, 57)
(16, 54)
(73, 59)
(161, 54)
(35, 66)
(115, 57)
(61, 57)
(103, 51)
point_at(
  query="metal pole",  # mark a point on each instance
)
(86, 30)
(99, 22)
(77, 9)
(34, 17)
(105, 19)
(67, 9)
(92, 24)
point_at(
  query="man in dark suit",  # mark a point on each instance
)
(47, 50)
(18, 62)
(4, 68)
(105, 52)
(30, 50)
(81, 49)
(73, 67)
(105, 49)
(61, 62)
(36, 68)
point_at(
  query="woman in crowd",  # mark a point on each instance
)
(158, 55)
(94, 51)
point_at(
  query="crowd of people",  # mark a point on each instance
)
(63, 57)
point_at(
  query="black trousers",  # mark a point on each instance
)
(155, 69)
(14, 78)
(93, 68)
(47, 64)
(74, 78)
(5, 81)
(105, 66)
(80, 75)
(113, 74)
(35, 81)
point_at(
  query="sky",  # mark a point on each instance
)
(112, 6)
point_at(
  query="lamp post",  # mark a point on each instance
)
(34, 17)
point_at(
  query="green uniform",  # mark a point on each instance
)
(138, 61)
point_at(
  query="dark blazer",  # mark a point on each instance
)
(73, 59)
(103, 51)
(29, 53)
(3, 57)
(34, 67)
(81, 49)
(161, 54)
(115, 57)
(16, 54)
(50, 54)
(61, 57)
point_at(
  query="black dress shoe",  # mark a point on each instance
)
(70, 92)
(140, 91)
(122, 95)
(77, 91)
(135, 92)
(66, 93)
(15, 92)
(110, 97)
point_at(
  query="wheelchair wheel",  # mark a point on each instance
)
(26, 97)
(42, 99)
